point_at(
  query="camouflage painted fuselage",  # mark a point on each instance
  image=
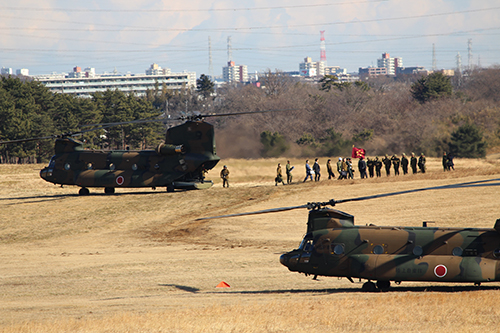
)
(189, 151)
(334, 246)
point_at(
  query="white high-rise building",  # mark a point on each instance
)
(311, 68)
(234, 73)
(390, 63)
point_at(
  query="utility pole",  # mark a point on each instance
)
(210, 64)
(434, 67)
(229, 49)
(469, 49)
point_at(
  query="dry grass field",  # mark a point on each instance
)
(137, 261)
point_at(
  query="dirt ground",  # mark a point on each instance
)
(139, 261)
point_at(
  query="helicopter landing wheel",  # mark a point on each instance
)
(170, 188)
(84, 191)
(369, 287)
(109, 190)
(383, 285)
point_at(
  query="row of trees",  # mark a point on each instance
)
(384, 115)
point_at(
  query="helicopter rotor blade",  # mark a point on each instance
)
(265, 211)
(240, 113)
(192, 117)
(54, 136)
(333, 202)
(442, 187)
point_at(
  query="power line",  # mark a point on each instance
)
(246, 9)
(148, 29)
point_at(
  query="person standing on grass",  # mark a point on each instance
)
(224, 174)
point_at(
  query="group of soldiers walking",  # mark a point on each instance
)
(396, 162)
(369, 168)
(345, 168)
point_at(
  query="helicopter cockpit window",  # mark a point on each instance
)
(306, 245)
(496, 253)
(111, 167)
(52, 163)
(457, 251)
(378, 249)
(417, 251)
(338, 248)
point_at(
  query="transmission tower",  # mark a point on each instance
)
(469, 49)
(210, 64)
(229, 49)
(322, 53)
(434, 57)
(459, 63)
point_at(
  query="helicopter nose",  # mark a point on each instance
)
(284, 259)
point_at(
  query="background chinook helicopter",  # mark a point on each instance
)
(180, 162)
(335, 246)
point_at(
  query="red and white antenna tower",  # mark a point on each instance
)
(322, 53)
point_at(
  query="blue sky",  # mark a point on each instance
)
(54, 36)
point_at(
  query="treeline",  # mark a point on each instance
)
(384, 115)
(429, 115)
(29, 110)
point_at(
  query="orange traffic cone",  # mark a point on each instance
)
(223, 285)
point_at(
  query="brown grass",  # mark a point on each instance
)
(138, 260)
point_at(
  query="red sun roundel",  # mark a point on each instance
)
(120, 180)
(440, 271)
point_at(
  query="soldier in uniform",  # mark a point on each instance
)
(421, 163)
(224, 174)
(350, 170)
(446, 167)
(371, 165)
(387, 162)
(279, 176)
(316, 169)
(339, 168)
(395, 163)
(378, 166)
(289, 169)
(362, 168)
(404, 164)
(413, 163)
(330, 169)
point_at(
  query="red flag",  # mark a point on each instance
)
(358, 152)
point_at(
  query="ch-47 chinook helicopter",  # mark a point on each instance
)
(335, 246)
(179, 163)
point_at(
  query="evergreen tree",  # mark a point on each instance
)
(430, 87)
(205, 86)
(467, 141)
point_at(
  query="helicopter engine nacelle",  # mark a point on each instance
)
(168, 149)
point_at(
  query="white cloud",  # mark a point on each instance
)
(55, 35)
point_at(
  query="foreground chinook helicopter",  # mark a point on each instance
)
(335, 246)
(179, 163)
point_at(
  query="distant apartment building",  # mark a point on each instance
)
(85, 83)
(335, 70)
(310, 68)
(411, 70)
(6, 71)
(390, 63)
(234, 73)
(372, 71)
(23, 71)
(155, 69)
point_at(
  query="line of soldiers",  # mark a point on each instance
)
(396, 162)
